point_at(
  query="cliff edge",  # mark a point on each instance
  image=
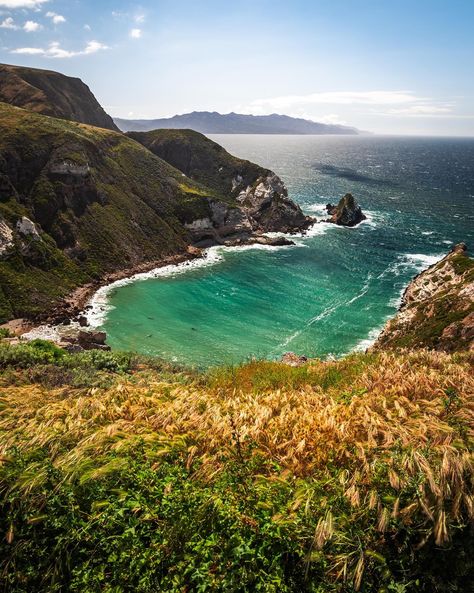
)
(437, 309)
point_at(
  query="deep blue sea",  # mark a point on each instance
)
(332, 292)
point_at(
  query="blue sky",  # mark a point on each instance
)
(388, 66)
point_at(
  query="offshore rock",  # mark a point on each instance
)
(346, 213)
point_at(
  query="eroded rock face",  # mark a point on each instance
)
(6, 237)
(346, 213)
(27, 228)
(268, 207)
(252, 198)
(437, 309)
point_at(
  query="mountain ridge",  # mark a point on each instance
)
(212, 122)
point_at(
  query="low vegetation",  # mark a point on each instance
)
(125, 474)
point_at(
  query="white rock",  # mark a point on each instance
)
(27, 227)
(6, 236)
(200, 224)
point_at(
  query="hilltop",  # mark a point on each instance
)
(208, 122)
(51, 93)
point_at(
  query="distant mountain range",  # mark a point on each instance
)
(208, 122)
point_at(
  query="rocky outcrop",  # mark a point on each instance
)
(268, 207)
(250, 198)
(346, 213)
(6, 237)
(52, 93)
(27, 228)
(437, 309)
(293, 360)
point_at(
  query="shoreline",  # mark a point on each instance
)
(79, 302)
(75, 303)
(85, 308)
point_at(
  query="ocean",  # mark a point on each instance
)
(332, 292)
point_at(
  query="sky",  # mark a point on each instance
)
(385, 66)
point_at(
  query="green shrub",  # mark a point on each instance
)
(23, 356)
(102, 360)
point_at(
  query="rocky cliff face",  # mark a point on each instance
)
(51, 93)
(346, 213)
(437, 309)
(256, 198)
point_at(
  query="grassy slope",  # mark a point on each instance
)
(52, 93)
(122, 474)
(128, 210)
(200, 158)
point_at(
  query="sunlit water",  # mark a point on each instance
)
(333, 291)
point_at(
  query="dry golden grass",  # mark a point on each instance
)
(411, 413)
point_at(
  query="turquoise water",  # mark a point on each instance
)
(333, 291)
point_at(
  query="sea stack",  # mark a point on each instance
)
(346, 213)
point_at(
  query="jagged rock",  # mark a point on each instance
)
(91, 340)
(437, 309)
(346, 213)
(293, 360)
(82, 320)
(27, 228)
(6, 236)
(268, 207)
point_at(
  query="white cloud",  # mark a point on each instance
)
(30, 51)
(87, 27)
(8, 23)
(331, 118)
(31, 26)
(54, 50)
(384, 102)
(55, 17)
(22, 3)
(93, 46)
(135, 33)
(421, 109)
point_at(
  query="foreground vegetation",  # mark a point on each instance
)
(122, 474)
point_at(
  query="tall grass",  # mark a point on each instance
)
(370, 458)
